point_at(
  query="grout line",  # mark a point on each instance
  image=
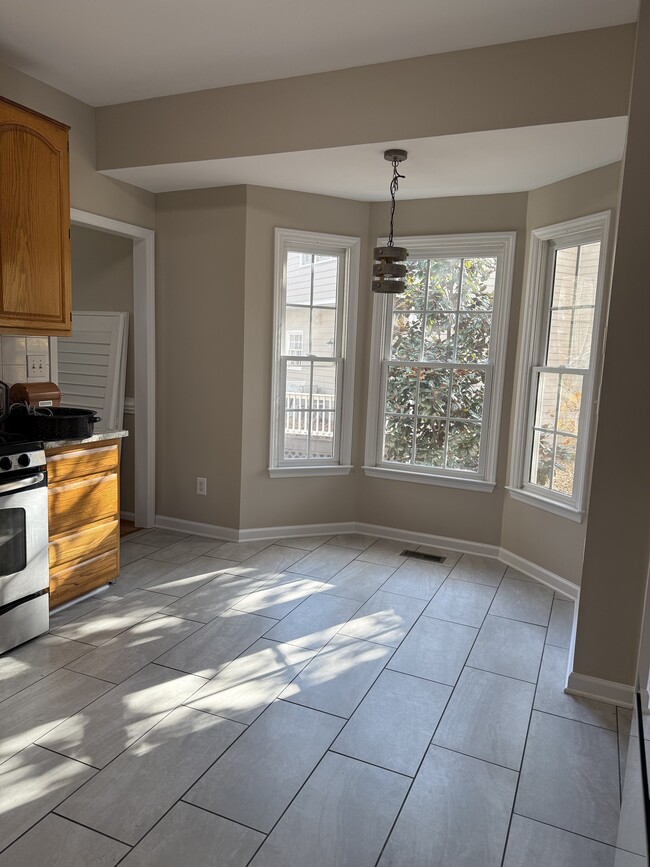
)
(579, 721)
(372, 764)
(63, 755)
(574, 833)
(315, 709)
(220, 815)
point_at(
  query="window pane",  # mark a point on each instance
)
(463, 446)
(434, 392)
(572, 310)
(296, 320)
(587, 281)
(439, 335)
(298, 278)
(564, 280)
(400, 389)
(324, 386)
(467, 393)
(325, 280)
(398, 439)
(564, 464)
(323, 332)
(583, 326)
(542, 461)
(322, 434)
(296, 419)
(559, 338)
(444, 283)
(416, 281)
(479, 277)
(430, 442)
(473, 337)
(406, 340)
(546, 403)
(298, 379)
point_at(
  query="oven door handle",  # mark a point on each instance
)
(20, 485)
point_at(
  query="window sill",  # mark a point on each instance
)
(429, 479)
(560, 509)
(295, 472)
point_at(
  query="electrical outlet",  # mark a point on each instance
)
(36, 366)
(201, 486)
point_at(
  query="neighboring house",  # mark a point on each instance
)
(214, 273)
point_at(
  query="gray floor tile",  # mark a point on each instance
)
(211, 648)
(131, 551)
(324, 562)
(340, 818)
(435, 649)
(135, 575)
(313, 623)
(212, 599)
(417, 578)
(509, 647)
(279, 596)
(195, 838)
(184, 551)
(624, 726)
(305, 543)
(456, 814)
(29, 714)
(560, 625)
(511, 572)
(337, 679)
(386, 552)
(632, 826)
(358, 580)
(65, 614)
(184, 579)
(478, 570)
(133, 792)
(358, 541)
(461, 602)
(551, 698)
(243, 689)
(569, 777)
(30, 662)
(270, 562)
(523, 600)
(532, 843)
(257, 778)
(111, 723)
(57, 842)
(394, 723)
(487, 717)
(239, 550)
(161, 538)
(100, 625)
(385, 618)
(133, 649)
(34, 782)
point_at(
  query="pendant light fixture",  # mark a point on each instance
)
(389, 269)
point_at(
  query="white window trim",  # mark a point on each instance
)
(501, 245)
(316, 242)
(594, 227)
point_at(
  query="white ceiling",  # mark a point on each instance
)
(498, 161)
(119, 50)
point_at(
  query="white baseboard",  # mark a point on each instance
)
(452, 544)
(544, 576)
(210, 531)
(127, 516)
(296, 531)
(608, 691)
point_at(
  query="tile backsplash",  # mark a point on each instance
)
(14, 352)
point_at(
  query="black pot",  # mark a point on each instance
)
(53, 423)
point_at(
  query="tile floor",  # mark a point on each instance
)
(317, 702)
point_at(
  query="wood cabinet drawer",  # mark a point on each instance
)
(90, 500)
(84, 544)
(73, 581)
(63, 464)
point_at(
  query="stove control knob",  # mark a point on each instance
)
(5, 463)
(24, 460)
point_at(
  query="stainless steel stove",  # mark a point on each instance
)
(24, 576)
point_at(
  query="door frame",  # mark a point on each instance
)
(144, 360)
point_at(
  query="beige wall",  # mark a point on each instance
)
(200, 259)
(89, 191)
(459, 514)
(615, 568)
(573, 76)
(102, 279)
(550, 541)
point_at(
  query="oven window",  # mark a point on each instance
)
(13, 541)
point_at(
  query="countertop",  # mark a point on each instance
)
(95, 438)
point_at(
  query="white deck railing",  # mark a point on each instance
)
(300, 415)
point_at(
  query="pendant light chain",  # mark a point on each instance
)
(389, 270)
(394, 186)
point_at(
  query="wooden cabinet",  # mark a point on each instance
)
(35, 288)
(84, 518)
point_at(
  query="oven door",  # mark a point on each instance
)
(23, 536)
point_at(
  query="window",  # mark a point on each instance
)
(313, 367)
(438, 356)
(559, 354)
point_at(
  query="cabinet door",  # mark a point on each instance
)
(35, 294)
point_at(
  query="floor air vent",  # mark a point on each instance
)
(419, 555)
